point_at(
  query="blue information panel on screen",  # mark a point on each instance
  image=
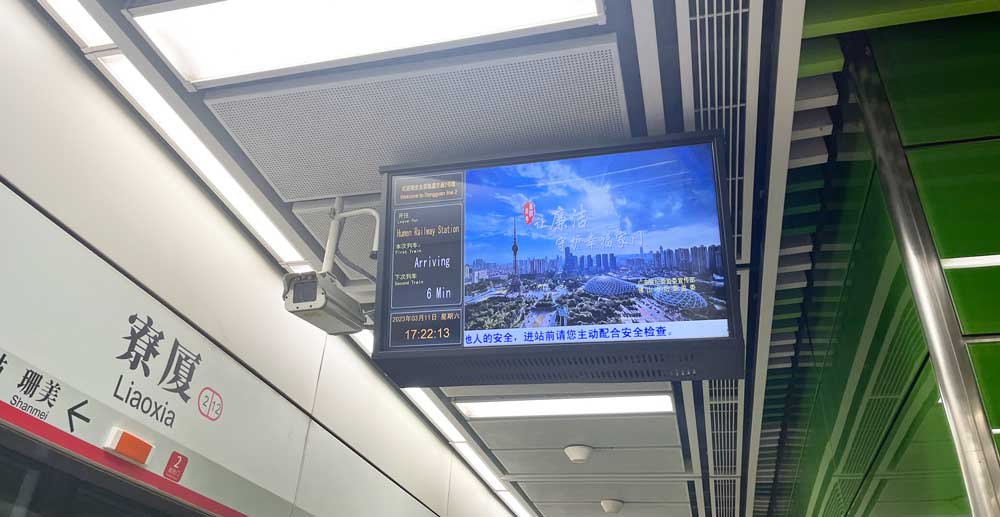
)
(607, 248)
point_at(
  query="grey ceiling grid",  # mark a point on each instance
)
(328, 135)
(636, 458)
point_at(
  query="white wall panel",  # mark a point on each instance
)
(466, 498)
(336, 482)
(70, 144)
(358, 404)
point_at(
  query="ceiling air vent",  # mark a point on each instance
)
(724, 426)
(725, 494)
(725, 52)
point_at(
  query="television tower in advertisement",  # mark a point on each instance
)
(515, 281)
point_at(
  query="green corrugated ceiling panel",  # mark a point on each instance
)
(795, 228)
(853, 147)
(986, 361)
(789, 297)
(827, 294)
(820, 56)
(787, 312)
(805, 202)
(779, 377)
(942, 78)
(805, 178)
(975, 292)
(809, 220)
(821, 309)
(848, 177)
(959, 188)
(832, 259)
(785, 326)
(826, 17)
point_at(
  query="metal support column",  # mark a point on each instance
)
(948, 350)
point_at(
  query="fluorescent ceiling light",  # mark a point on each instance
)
(479, 466)
(970, 262)
(216, 40)
(512, 503)
(366, 340)
(159, 112)
(577, 406)
(434, 414)
(79, 22)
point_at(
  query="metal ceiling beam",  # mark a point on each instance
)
(789, 41)
(644, 24)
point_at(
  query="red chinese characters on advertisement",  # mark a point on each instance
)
(529, 212)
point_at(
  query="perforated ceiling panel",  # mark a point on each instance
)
(325, 136)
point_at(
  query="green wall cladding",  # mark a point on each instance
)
(825, 17)
(820, 56)
(916, 472)
(942, 77)
(986, 361)
(877, 443)
(974, 291)
(959, 187)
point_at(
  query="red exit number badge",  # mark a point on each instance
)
(175, 466)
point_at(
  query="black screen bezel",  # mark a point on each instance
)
(719, 350)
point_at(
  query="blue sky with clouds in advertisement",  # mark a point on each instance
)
(597, 204)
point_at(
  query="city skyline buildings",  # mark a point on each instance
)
(696, 259)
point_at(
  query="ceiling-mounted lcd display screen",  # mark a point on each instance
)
(599, 251)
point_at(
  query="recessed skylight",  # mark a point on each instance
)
(219, 40)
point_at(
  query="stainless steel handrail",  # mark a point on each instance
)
(948, 350)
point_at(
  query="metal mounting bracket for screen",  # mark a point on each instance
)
(333, 264)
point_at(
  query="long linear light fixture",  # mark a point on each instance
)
(971, 262)
(144, 96)
(422, 399)
(573, 406)
(187, 143)
(78, 23)
(366, 340)
(218, 40)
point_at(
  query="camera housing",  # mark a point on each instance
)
(318, 299)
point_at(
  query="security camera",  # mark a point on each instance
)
(319, 299)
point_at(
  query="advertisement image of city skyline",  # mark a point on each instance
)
(660, 197)
(613, 239)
